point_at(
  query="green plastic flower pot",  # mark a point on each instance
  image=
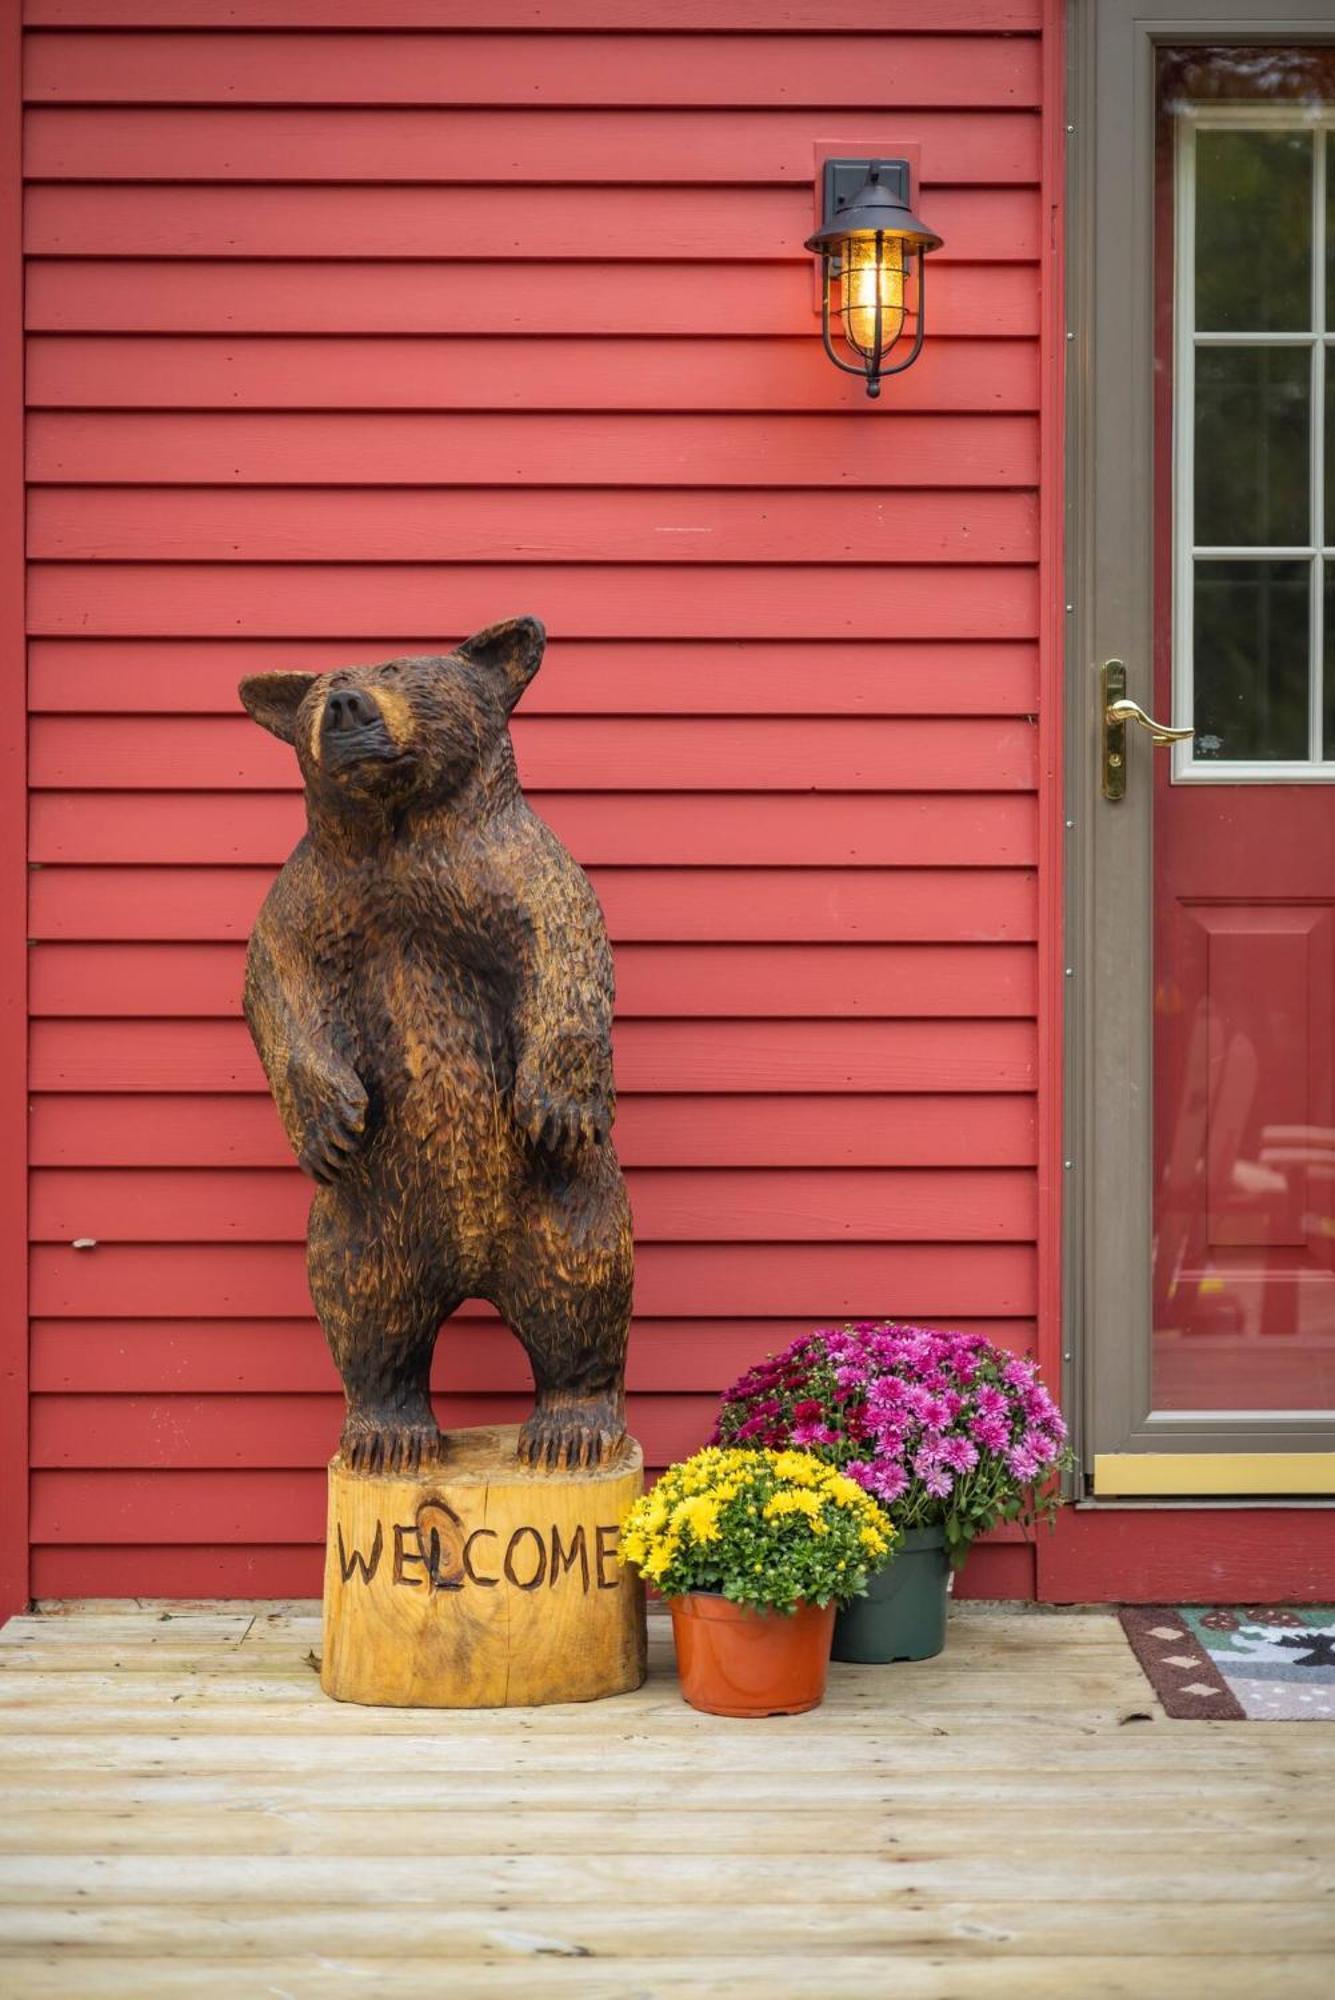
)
(903, 1615)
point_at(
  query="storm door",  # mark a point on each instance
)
(1202, 679)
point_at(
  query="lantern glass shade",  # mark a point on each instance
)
(872, 275)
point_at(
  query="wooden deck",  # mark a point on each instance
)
(182, 1812)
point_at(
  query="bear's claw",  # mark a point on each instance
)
(557, 1115)
(330, 1108)
(389, 1448)
(572, 1438)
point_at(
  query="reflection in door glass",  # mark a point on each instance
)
(1253, 234)
(1251, 640)
(1253, 446)
(1244, 856)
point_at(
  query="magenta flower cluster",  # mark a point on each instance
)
(943, 1428)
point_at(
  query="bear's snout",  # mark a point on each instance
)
(353, 729)
(347, 709)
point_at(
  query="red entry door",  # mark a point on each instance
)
(1244, 813)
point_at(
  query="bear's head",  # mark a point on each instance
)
(410, 732)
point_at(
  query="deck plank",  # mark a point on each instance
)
(566, 1969)
(182, 1812)
(182, 1933)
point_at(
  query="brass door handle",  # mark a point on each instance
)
(1118, 710)
(1131, 711)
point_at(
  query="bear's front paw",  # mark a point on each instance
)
(557, 1118)
(331, 1110)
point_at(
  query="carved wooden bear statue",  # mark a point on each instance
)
(429, 986)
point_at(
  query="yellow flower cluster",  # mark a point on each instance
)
(797, 1500)
(690, 1518)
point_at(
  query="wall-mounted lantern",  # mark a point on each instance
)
(871, 247)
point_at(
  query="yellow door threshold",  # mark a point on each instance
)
(1123, 1474)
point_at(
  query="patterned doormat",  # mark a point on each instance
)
(1262, 1663)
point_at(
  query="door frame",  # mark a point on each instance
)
(1111, 48)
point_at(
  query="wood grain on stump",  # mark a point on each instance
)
(481, 1582)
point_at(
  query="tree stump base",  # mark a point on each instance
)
(479, 1583)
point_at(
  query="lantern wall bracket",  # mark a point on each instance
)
(841, 180)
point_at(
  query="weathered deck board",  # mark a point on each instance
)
(929, 1976)
(182, 1812)
(182, 1934)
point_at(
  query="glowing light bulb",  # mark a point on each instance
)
(865, 275)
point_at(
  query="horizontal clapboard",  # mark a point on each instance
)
(667, 1056)
(538, 16)
(600, 226)
(746, 1280)
(180, 295)
(591, 601)
(659, 905)
(194, 1433)
(130, 371)
(657, 449)
(476, 1355)
(740, 677)
(728, 1129)
(755, 829)
(740, 148)
(825, 1205)
(585, 754)
(846, 71)
(653, 980)
(542, 524)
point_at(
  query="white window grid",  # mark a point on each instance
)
(1319, 339)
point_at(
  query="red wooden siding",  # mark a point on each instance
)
(356, 325)
(14, 1350)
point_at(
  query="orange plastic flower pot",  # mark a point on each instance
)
(732, 1660)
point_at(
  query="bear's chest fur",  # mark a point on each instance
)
(422, 948)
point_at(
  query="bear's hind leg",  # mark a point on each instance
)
(566, 1294)
(381, 1315)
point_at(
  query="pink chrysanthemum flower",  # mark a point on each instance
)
(935, 1412)
(889, 1482)
(992, 1433)
(1023, 1462)
(959, 1454)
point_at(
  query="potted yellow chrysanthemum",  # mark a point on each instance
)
(754, 1551)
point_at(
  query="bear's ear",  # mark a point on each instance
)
(273, 700)
(513, 650)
